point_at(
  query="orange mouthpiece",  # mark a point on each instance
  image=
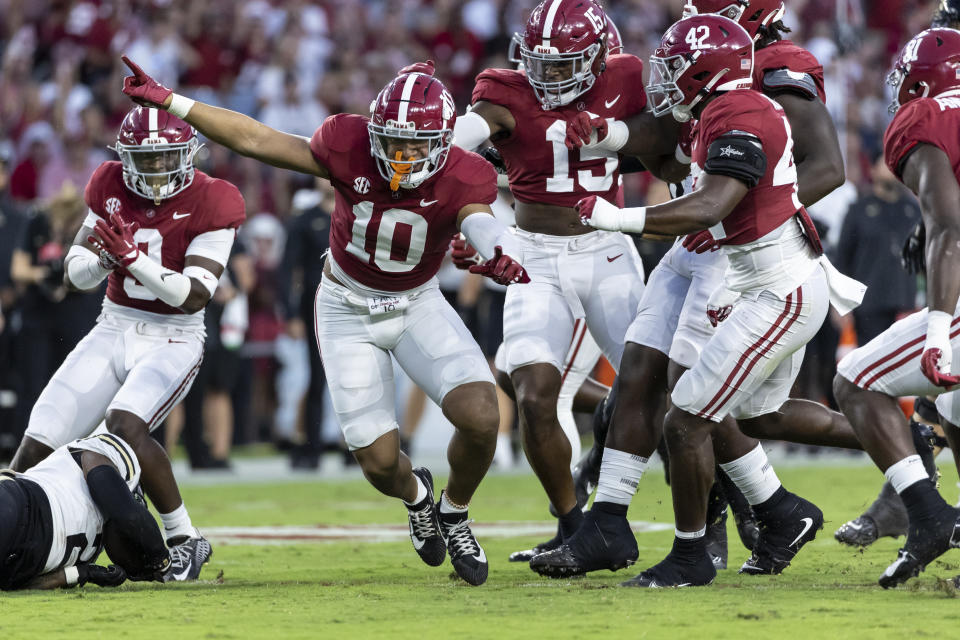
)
(400, 169)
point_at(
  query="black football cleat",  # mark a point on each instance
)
(187, 559)
(466, 554)
(925, 543)
(859, 532)
(675, 572)
(527, 555)
(424, 526)
(717, 542)
(603, 541)
(781, 539)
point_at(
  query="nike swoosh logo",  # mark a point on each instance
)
(177, 215)
(176, 341)
(806, 527)
(417, 543)
(481, 557)
(425, 203)
(855, 527)
(609, 259)
(612, 102)
(163, 276)
(180, 577)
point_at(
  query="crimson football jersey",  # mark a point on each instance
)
(393, 240)
(934, 121)
(786, 55)
(773, 200)
(166, 229)
(540, 168)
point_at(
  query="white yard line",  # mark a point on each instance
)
(382, 532)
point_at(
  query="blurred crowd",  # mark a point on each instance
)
(290, 63)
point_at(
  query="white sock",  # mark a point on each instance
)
(908, 471)
(620, 473)
(690, 535)
(503, 455)
(448, 507)
(421, 492)
(754, 475)
(177, 523)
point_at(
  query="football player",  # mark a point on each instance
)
(671, 328)
(57, 516)
(403, 191)
(745, 191)
(914, 356)
(162, 232)
(580, 275)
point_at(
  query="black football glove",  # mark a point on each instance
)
(912, 256)
(491, 155)
(112, 576)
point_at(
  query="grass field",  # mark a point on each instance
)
(358, 589)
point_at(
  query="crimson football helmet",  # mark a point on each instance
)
(414, 108)
(614, 44)
(698, 56)
(751, 14)
(564, 49)
(156, 149)
(928, 65)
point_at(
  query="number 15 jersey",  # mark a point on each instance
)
(540, 168)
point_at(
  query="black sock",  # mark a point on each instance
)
(690, 550)
(611, 508)
(922, 501)
(570, 522)
(767, 510)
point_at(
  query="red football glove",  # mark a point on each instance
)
(700, 242)
(930, 366)
(143, 89)
(580, 129)
(463, 254)
(585, 207)
(116, 240)
(419, 67)
(502, 269)
(720, 304)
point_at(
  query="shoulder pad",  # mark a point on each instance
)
(787, 81)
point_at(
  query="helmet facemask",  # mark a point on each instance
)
(575, 70)
(386, 146)
(157, 169)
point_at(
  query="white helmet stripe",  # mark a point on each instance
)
(405, 97)
(153, 124)
(548, 21)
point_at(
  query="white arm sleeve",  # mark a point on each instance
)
(83, 268)
(470, 130)
(214, 245)
(170, 286)
(485, 232)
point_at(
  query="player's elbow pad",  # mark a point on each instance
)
(470, 130)
(737, 155)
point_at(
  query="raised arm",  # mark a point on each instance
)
(238, 132)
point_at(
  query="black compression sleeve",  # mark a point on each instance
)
(116, 503)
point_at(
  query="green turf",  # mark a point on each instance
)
(360, 589)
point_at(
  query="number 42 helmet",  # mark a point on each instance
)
(928, 65)
(697, 56)
(752, 15)
(156, 150)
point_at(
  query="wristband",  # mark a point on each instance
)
(680, 155)
(180, 105)
(938, 327)
(633, 220)
(617, 135)
(72, 575)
